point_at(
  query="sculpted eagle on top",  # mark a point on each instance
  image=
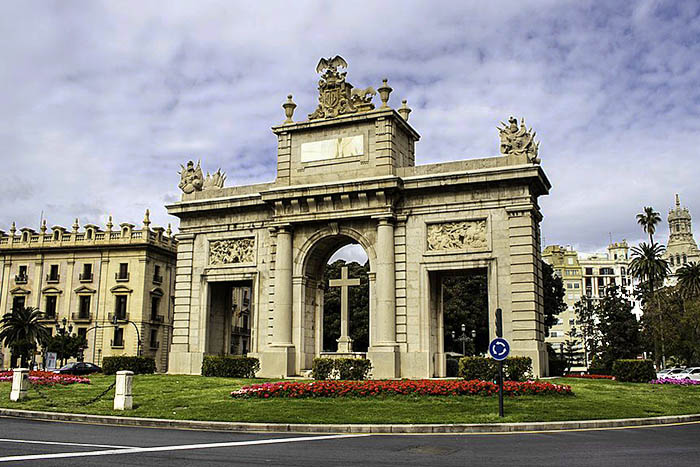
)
(331, 64)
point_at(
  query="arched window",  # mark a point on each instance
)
(671, 260)
(685, 259)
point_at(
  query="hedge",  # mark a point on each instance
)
(230, 366)
(486, 369)
(634, 371)
(139, 365)
(340, 368)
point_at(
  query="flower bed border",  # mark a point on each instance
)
(374, 388)
(675, 381)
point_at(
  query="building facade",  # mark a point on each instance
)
(347, 175)
(681, 248)
(105, 284)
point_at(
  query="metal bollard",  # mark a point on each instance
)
(122, 391)
(20, 384)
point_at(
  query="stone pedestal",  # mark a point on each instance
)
(344, 344)
(122, 391)
(20, 384)
(277, 362)
(385, 362)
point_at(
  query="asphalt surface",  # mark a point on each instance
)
(28, 442)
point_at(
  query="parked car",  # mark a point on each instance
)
(669, 373)
(79, 368)
(689, 373)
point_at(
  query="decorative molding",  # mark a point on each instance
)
(232, 251)
(460, 235)
(157, 291)
(83, 289)
(20, 291)
(120, 289)
(51, 290)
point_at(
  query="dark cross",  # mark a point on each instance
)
(344, 342)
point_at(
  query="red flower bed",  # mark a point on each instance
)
(47, 378)
(589, 376)
(334, 388)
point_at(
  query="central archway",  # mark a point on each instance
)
(309, 284)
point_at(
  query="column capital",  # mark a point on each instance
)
(385, 219)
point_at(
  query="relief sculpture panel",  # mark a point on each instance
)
(460, 235)
(238, 250)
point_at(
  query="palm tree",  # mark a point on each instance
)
(651, 269)
(689, 280)
(648, 220)
(21, 331)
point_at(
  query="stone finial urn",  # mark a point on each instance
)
(289, 107)
(384, 92)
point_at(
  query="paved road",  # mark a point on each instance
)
(26, 442)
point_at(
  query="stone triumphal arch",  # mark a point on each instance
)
(347, 174)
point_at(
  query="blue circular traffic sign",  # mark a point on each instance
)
(499, 349)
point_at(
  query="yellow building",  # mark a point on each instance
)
(91, 279)
(566, 265)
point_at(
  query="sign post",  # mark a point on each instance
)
(499, 348)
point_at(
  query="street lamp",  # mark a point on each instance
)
(64, 332)
(115, 321)
(464, 338)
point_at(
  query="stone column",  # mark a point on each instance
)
(20, 384)
(123, 399)
(383, 353)
(278, 359)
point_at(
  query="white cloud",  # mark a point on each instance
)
(103, 100)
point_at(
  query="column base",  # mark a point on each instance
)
(344, 344)
(277, 362)
(540, 359)
(385, 362)
(185, 363)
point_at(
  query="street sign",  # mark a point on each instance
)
(499, 349)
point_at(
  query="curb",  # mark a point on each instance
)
(350, 428)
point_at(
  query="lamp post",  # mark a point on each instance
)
(464, 338)
(64, 332)
(115, 320)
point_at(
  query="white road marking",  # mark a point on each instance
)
(29, 441)
(114, 452)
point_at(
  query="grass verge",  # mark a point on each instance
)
(199, 398)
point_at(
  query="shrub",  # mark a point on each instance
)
(452, 367)
(486, 369)
(230, 366)
(139, 365)
(557, 366)
(634, 371)
(340, 368)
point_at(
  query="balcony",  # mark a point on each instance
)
(117, 344)
(53, 279)
(157, 318)
(49, 318)
(155, 345)
(157, 279)
(120, 316)
(81, 317)
(241, 331)
(21, 279)
(121, 277)
(85, 277)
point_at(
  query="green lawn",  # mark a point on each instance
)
(199, 398)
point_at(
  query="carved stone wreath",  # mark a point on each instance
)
(462, 235)
(239, 250)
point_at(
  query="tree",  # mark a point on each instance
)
(689, 280)
(618, 328)
(648, 220)
(358, 304)
(651, 269)
(65, 345)
(22, 332)
(586, 329)
(570, 352)
(553, 296)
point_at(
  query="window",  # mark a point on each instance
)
(589, 271)
(569, 285)
(685, 259)
(120, 307)
(123, 273)
(577, 286)
(118, 340)
(671, 260)
(155, 303)
(50, 306)
(21, 277)
(84, 310)
(18, 302)
(82, 332)
(571, 260)
(571, 296)
(556, 334)
(53, 273)
(86, 275)
(157, 278)
(154, 338)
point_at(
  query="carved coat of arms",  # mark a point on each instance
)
(191, 178)
(336, 96)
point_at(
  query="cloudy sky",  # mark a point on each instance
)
(102, 102)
